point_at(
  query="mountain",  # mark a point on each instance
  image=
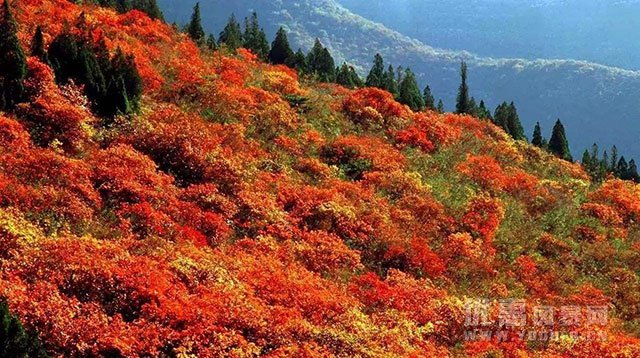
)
(591, 30)
(597, 103)
(158, 199)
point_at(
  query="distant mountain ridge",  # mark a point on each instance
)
(597, 103)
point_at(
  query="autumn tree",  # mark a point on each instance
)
(558, 144)
(462, 101)
(12, 61)
(231, 35)
(280, 49)
(376, 74)
(254, 37)
(429, 101)
(410, 92)
(194, 29)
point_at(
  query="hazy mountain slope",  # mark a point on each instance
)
(592, 30)
(596, 103)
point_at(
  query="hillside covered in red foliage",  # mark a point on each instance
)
(243, 211)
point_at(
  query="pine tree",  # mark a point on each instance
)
(124, 68)
(483, 111)
(14, 340)
(514, 127)
(13, 67)
(347, 77)
(212, 44)
(501, 115)
(473, 107)
(150, 7)
(298, 61)
(231, 35)
(280, 49)
(410, 92)
(194, 29)
(462, 102)
(389, 82)
(37, 46)
(376, 74)
(558, 144)
(537, 139)
(632, 172)
(612, 165)
(254, 37)
(622, 168)
(440, 107)
(429, 101)
(63, 54)
(321, 63)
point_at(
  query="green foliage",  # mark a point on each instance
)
(389, 82)
(298, 61)
(194, 29)
(506, 117)
(410, 92)
(15, 342)
(483, 112)
(463, 105)
(231, 35)
(347, 77)
(150, 7)
(598, 168)
(537, 138)
(320, 63)
(280, 51)
(558, 144)
(254, 37)
(212, 44)
(37, 46)
(376, 75)
(440, 107)
(13, 67)
(429, 101)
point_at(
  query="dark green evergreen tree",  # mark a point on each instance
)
(320, 63)
(124, 70)
(298, 61)
(622, 168)
(514, 127)
(483, 111)
(632, 172)
(440, 107)
(280, 49)
(212, 44)
(611, 166)
(473, 107)
(150, 7)
(13, 67)
(194, 29)
(37, 46)
(231, 35)
(429, 101)
(254, 37)
(558, 144)
(501, 115)
(462, 102)
(410, 92)
(537, 139)
(14, 340)
(347, 77)
(389, 82)
(376, 74)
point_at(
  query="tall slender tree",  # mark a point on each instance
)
(194, 29)
(440, 107)
(13, 67)
(462, 102)
(376, 74)
(429, 101)
(558, 144)
(514, 127)
(254, 37)
(280, 49)
(348, 77)
(37, 46)
(231, 35)
(389, 82)
(320, 63)
(537, 139)
(410, 92)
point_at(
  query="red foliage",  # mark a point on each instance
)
(373, 106)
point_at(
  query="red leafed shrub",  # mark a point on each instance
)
(323, 252)
(624, 196)
(483, 217)
(422, 258)
(373, 107)
(606, 214)
(484, 170)
(55, 114)
(427, 132)
(13, 135)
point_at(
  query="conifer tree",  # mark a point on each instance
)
(389, 82)
(611, 166)
(254, 37)
(376, 74)
(37, 46)
(429, 101)
(473, 107)
(212, 44)
(13, 68)
(514, 127)
(280, 49)
(622, 168)
(347, 77)
(14, 340)
(150, 7)
(410, 92)
(462, 102)
(321, 63)
(298, 62)
(194, 29)
(537, 139)
(558, 144)
(501, 115)
(440, 107)
(231, 35)
(483, 111)
(632, 172)
(124, 68)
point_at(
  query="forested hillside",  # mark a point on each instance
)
(162, 198)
